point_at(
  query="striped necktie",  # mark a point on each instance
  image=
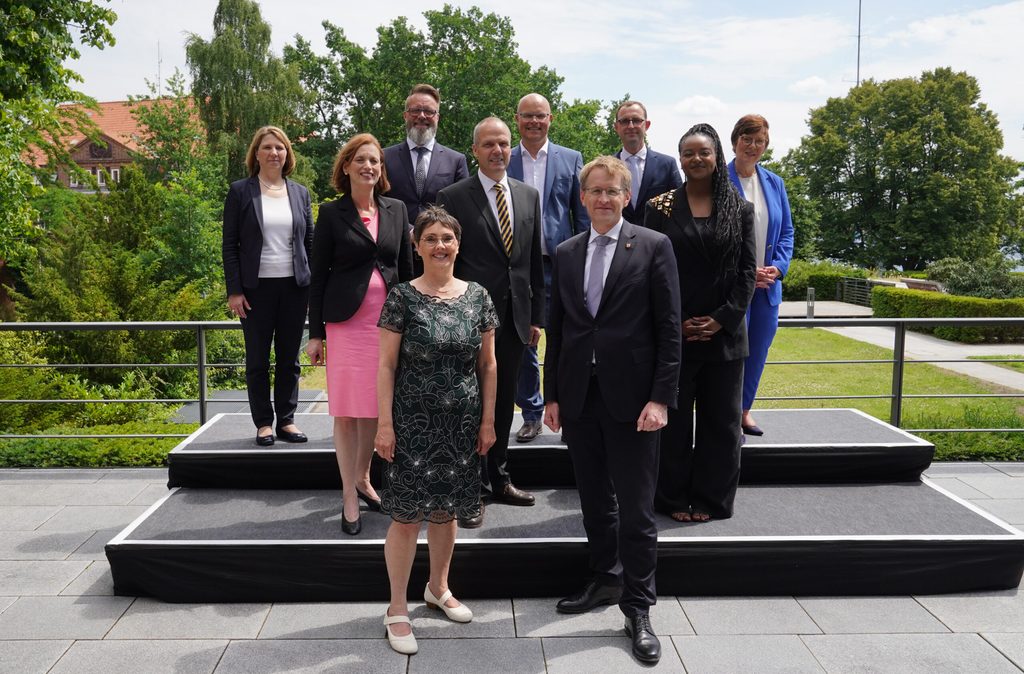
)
(504, 222)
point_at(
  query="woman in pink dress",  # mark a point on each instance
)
(360, 250)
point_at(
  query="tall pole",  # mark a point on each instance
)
(859, 3)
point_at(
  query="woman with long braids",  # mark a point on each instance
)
(712, 232)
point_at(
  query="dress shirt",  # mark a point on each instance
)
(534, 172)
(612, 234)
(492, 199)
(426, 156)
(755, 195)
(641, 162)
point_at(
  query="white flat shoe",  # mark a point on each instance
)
(460, 614)
(405, 645)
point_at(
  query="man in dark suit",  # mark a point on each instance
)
(610, 374)
(653, 173)
(419, 167)
(500, 250)
(554, 171)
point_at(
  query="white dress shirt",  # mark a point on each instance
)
(415, 155)
(492, 198)
(641, 162)
(755, 195)
(535, 171)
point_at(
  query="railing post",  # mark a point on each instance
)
(201, 358)
(810, 303)
(899, 342)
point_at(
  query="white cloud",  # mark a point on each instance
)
(699, 105)
(813, 85)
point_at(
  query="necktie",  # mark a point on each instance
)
(504, 222)
(421, 169)
(595, 282)
(634, 170)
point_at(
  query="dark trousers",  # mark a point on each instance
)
(616, 470)
(700, 468)
(277, 315)
(508, 351)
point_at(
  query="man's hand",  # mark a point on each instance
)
(315, 351)
(552, 419)
(534, 335)
(653, 417)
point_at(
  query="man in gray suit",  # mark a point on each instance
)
(500, 250)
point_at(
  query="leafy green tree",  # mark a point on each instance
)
(803, 207)
(580, 126)
(908, 171)
(238, 84)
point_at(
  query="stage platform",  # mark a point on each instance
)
(223, 545)
(799, 445)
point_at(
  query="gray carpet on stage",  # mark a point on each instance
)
(911, 509)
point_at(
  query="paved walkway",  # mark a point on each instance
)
(58, 612)
(824, 309)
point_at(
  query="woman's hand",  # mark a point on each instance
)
(485, 437)
(238, 305)
(315, 351)
(700, 328)
(384, 442)
(766, 276)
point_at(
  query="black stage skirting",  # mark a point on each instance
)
(859, 539)
(813, 445)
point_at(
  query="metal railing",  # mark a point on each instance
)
(896, 395)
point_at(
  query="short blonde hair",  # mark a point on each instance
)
(250, 156)
(613, 165)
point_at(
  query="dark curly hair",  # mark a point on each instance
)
(728, 204)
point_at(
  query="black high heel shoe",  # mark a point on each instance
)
(372, 504)
(351, 528)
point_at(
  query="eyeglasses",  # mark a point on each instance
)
(426, 112)
(748, 141)
(632, 121)
(533, 116)
(611, 192)
(433, 241)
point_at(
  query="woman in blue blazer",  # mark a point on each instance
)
(268, 232)
(773, 231)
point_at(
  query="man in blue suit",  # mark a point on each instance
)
(554, 171)
(653, 173)
(419, 167)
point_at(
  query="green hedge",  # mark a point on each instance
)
(93, 453)
(903, 303)
(822, 276)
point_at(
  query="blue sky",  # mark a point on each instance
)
(687, 61)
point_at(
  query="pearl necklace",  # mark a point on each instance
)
(273, 188)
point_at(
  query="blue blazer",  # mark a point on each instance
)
(779, 244)
(661, 174)
(447, 167)
(564, 215)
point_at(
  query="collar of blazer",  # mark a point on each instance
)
(624, 250)
(515, 189)
(293, 201)
(550, 167)
(349, 213)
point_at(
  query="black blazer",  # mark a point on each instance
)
(344, 255)
(661, 174)
(709, 286)
(242, 239)
(634, 339)
(517, 279)
(446, 167)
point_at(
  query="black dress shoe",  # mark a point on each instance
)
(288, 436)
(265, 440)
(472, 522)
(351, 528)
(646, 647)
(373, 504)
(512, 495)
(752, 430)
(589, 598)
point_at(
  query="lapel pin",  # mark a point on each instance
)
(628, 245)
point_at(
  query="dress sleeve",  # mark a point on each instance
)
(392, 315)
(488, 314)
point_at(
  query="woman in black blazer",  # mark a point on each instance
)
(711, 229)
(268, 232)
(361, 250)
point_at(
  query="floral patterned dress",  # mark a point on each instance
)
(436, 411)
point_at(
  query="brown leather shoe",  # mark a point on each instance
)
(512, 495)
(528, 431)
(472, 522)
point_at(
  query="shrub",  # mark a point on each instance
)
(93, 453)
(903, 303)
(822, 276)
(990, 277)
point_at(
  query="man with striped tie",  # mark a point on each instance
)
(500, 250)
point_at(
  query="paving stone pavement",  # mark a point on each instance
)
(58, 612)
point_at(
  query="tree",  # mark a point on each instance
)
(238, 84)
(36, 39)
(908, 171)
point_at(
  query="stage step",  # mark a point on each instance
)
(232, 545)
(805, 445)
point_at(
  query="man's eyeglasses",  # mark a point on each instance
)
(533, 116)
(632, 121)
(426, 112)
(611, 192)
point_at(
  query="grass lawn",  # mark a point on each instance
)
(1019, 367)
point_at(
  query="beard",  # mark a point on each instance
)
(419, 135)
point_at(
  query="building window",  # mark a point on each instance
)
(115, 175)
(97, 151)
(101, 177)
(72, 180)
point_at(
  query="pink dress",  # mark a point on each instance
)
(353, 347)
